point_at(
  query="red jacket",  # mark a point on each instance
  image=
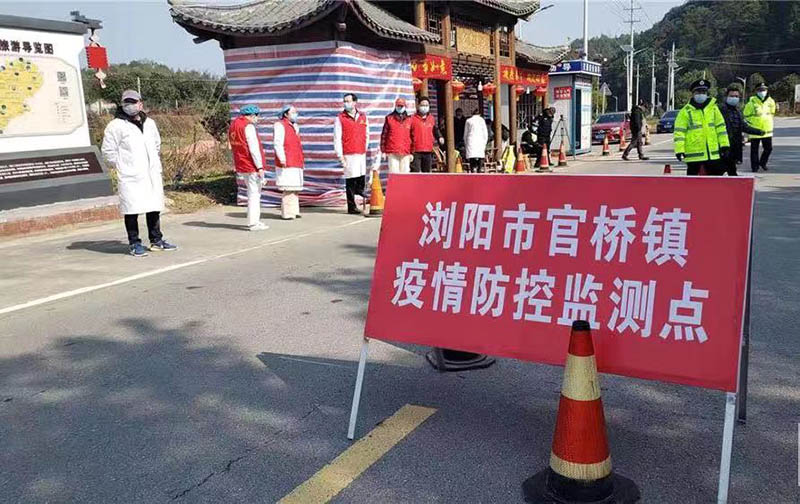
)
(242, 160)
(292, 148)
(396, 134)
(422, 133)
(354, 133)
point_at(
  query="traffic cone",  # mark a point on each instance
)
(544, 164)
(622, 143)
(606, 148)
(562, 154)
(667, 169)
(580, 460)
(376, 198)
(519, 166)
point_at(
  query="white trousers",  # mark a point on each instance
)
(254, 182)
(290, 205)
(399, 163)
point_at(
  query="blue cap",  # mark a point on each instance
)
(250, 110)
(283, 111)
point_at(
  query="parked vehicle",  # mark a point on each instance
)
(615, 124)
(667, 122)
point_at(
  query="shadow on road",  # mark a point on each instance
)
(101, 246)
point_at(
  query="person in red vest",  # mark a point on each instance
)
(350, 142)
(396, 138)
(289, 161)
(424, 133)
(249, 161)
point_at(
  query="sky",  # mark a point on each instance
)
(143, 29)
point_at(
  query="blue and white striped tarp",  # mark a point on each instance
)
(314, 77)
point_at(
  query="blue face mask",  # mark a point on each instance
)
(348, 106)
(700, 98)
(762, 94)
(293, 117)
(400, 110)
(732, 101)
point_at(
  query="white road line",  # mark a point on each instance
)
(138, 276)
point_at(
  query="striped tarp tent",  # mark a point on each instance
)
(314, 77)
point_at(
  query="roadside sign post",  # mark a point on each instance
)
(460, 258)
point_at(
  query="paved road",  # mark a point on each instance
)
(223, 372)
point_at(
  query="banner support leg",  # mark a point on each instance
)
(362, 362)
(727, 447)
(744, 365)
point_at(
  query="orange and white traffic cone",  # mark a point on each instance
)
(544, 164)
(562, 153)
(606, 148)
(667, 169)
(580, 459)
(520, 166)
(376, 198)
(622, 143)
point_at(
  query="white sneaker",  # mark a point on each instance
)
(259, 227)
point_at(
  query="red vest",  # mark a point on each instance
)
(396, 135)
(242, 161)
(291, 146)
(354, 133)
(422, 133)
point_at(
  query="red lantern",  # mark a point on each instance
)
(540, 91)
(489, 89)
(457, 87)
(417, 84)
(519, 90)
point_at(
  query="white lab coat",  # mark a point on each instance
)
(475, 137)
(288, 178)
(135, 155)
(355, 165)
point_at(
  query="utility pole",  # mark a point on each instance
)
(637, 83)
(653, 86)
(629, 73)
(139, 86)
(586, 30)
(671, 89)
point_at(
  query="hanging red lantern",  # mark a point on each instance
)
(519, 90)
(540, 91)
(457, 87)
(417, 84)
(489, 89)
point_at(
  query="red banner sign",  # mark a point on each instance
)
(503, 265)
(562, 93)
(510, 74)
(427, 66)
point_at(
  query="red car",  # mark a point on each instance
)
(612, 123)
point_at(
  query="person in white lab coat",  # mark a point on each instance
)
(351, 142)
(476, 137)
(249, 161)
(132, 144)
(289, 161)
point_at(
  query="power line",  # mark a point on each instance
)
(769, 52)
(735, 63)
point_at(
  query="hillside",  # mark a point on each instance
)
(745, 38)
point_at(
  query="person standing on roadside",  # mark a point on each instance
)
(760, 113)
(544, 132)
(249, 161)
(637, 130)
(396, 138)
(424, 136)
(700, 136)
(736, 125)
(350, 142)
(289, 161)
(132, 144)
(476, 136)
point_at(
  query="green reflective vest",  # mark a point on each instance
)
(699, 133)
(760, 114)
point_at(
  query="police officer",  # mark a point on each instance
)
(736, 125)
(544, 130)
(700, 136)
(760, 113)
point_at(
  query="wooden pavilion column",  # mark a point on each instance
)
(449, 108)
(422, 23)
(512, 96)
(498, 96)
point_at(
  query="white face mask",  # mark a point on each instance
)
(732, 101)
(762, 94)
(400, 110)
(130, 108)
(424, 109)
(348, 106)
(293, 117)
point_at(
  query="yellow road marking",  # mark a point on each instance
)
(344, 469)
